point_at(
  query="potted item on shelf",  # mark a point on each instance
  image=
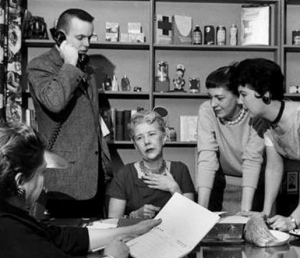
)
(125, 83)
(194, 85)
(115, 84)
(179, 81)
(162, 82)
(107, 83)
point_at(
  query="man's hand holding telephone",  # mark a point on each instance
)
(68, 52)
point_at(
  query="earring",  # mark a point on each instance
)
(21, 191)
(266, 100)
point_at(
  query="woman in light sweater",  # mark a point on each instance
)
(230, 150)
(260, 83)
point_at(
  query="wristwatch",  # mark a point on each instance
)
(107, 256)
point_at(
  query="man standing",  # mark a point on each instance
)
(67, 109)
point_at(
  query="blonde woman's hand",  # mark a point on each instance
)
(147, 211)
(164, 182)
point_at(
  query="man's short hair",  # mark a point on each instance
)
(63, 22)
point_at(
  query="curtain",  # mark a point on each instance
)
(10, 60)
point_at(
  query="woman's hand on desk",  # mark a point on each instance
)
(251, 214)
(281, 223)
(164, 182)
(147, 211)
(117, 248)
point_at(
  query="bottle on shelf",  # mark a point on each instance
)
(233, 38)
(125, 83)
(107, 84)
(221, 35)
(197, 36)
(115, 84)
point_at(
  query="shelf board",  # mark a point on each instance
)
(181, 144)
(179, 95)
(225, 2)
(292, 95)
(126, 94)
(256, 48)
(293, 2)
(94, 44)
(291, 48)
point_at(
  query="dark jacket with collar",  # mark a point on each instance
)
(55, 88)
(22, 236)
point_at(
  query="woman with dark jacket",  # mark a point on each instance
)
(23, 162)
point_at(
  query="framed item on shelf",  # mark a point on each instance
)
(255, 25)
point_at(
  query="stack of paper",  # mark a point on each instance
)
(184, 224)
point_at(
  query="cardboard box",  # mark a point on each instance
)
(188, 128)
(255, 25)
(163, 29)
(134, 27)
(124, 37)
(182, 29)
(136, 37)
(162, 86)
(112, 31)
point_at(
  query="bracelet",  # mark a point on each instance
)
(132, 215)
(293, 221)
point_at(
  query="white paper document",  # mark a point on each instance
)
(184, 225)
(235, 219)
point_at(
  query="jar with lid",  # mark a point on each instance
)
(197, 36)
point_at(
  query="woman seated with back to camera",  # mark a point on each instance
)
(23, 162)
(142, 188)
(230, 149)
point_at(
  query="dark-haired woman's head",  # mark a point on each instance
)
(261, 75)
(21, 156)
(223, 96)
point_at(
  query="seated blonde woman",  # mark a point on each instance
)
(142, 188)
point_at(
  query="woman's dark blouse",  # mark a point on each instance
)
(23, 236)
(127, 186)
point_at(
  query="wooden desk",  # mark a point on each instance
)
(239, 251)
(244, 250)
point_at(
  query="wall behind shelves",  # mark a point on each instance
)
(292, 21)
(103, 11)
(202, 63)
(210, 14)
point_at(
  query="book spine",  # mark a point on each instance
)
(127, 117)
(119, 125)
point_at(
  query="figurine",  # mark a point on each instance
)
(194, 85)
(178, 81)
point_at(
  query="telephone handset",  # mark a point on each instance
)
(59, 36)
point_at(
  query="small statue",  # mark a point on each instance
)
(194, 85)
(178, 81)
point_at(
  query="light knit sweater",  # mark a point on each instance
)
(238, 149)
